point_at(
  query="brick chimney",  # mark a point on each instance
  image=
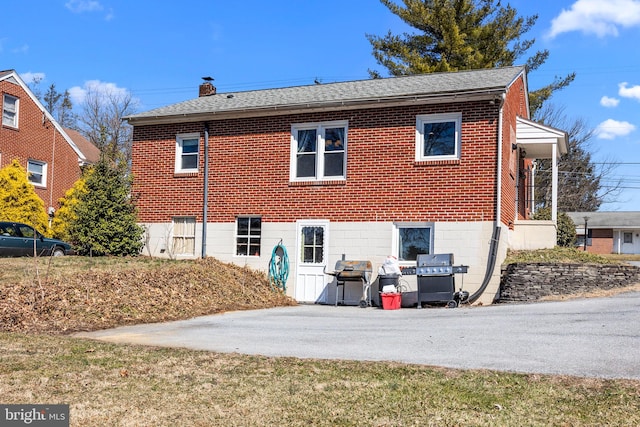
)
(207, 88)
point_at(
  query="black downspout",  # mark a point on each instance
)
(491, 264)
(205, 191)
(495, 237)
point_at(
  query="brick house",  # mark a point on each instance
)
(608, 232)
(53, 156)
(436, 163)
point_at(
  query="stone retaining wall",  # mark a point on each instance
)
(524, 282)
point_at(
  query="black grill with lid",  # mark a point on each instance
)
(436, 279)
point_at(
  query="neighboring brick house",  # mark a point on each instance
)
(434, 163)
(53, 156)
(608, 232)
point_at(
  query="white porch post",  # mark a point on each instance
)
(554, 183)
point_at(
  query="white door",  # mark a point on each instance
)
(311, 259)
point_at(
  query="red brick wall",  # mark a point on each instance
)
(249, 170)
(34, 141)
(601, 241)
(514, 106)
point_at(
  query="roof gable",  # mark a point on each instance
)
(13, 77)
(343, 95)
(537, 138)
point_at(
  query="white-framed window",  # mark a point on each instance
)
(37, 173)
(627, 238)
(187, 152)
(248, 236)
(10, 110)
(412, 239)
(438, 136)
(184, 235)
(319, 151)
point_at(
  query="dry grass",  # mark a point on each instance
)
(63, 295)
(596, 293)
(126, 385)
(558, 255)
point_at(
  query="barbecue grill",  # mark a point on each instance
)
(353, 271)
(436, 279)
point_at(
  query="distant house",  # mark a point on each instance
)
(435, 163)
(608, 232)
(53, 156)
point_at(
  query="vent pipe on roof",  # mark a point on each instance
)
(207, 88)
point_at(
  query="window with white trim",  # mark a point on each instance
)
(438, 136)
(37, 173)
(627, 238)
(413, 239)
(187, 152)
(318, 151)
(184, 235)
(248, 236)
(10, 111)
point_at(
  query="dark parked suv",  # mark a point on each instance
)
(17, 239)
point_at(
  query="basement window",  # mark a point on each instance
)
(248, 236)
(184, 235)
(413, 239)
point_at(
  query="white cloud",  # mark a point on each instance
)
(605, 101)
(611, 129)
(81, 6)
(30, 77)
(597, 17)
(629, 92)
(98, 88)
(22, 49)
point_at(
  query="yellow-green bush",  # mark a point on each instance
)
(65, 214)
(18, 199)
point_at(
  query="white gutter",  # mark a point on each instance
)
(499, 165)
(554, 184)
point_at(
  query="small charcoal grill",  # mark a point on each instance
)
(436, 279)
(353, 271)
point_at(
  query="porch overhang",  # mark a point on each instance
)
(537, 141)
(540, 141)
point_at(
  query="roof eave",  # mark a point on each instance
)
(415, 99)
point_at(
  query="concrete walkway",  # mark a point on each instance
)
(597, 337)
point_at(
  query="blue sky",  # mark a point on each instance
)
(158, 52)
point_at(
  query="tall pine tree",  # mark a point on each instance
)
(453, 35)
(60, 106)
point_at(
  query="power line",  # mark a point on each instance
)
(615, 163)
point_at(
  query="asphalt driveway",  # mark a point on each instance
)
(598, 337)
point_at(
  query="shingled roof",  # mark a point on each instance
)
(90, 151)
(610, 219)
(479, 83)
